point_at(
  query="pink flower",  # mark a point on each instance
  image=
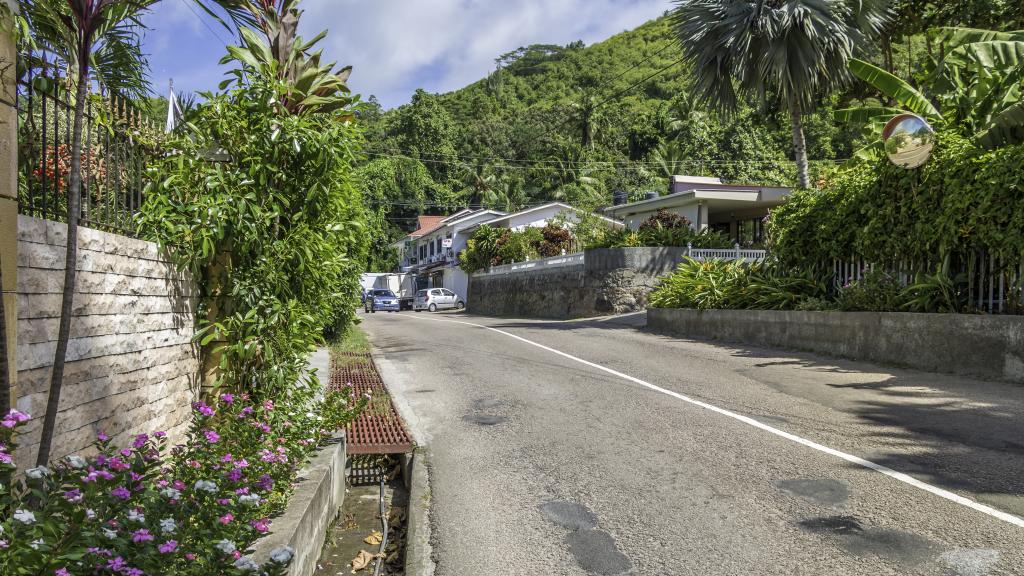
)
(178, 485)
(190, 556)
(268, 405)
(121, 492)
(168, 547)
(262, 525)
(226, 519)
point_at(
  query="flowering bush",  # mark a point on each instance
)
(145, 509)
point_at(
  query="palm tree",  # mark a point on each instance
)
(796, 49)
(93, 39)
(479, 182)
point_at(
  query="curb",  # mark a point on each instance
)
(418, 561)
(312, 508)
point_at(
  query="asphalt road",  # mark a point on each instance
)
(666, 456)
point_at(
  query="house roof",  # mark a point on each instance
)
(426, 225)
(724, 196)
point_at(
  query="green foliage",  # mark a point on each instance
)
(963, 200)
(657, 236)
(536, 130)
(736, 285)
(877, 291)
(275, 237)
(495, 246)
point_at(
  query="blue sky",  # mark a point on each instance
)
(395, 46)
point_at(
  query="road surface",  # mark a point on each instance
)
(594, 447)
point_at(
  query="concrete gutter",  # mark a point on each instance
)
(314, 505)
(416, 474)
(977, 345)
(418, 560)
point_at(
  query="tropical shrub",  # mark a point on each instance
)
(555, 240)
(736, 285)
(876, 291)
(274, 236)
(191, 509)
(658, 236)
(964, 201)
(665, 220)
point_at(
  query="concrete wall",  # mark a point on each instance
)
(610, 281)
(131, 366)
(973, 345)
(8, 184)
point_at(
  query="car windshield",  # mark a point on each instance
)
(384, 293)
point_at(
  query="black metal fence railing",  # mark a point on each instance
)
(113, 157)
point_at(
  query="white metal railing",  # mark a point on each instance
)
(734, 253)
(541, 264)
(994, 285)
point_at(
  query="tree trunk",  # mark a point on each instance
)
(799, 145)
(70, 263)
(5, 382)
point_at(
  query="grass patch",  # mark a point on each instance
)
(354, 341)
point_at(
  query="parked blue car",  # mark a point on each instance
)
(381, 300)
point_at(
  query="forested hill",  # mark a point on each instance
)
(572, 123)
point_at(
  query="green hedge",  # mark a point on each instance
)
(962, 201)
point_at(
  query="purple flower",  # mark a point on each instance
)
(116, 564)
(160, 434)
(135, 476)
(203, 409)
(265, 482)
(140, 440)
(102, 437)
(134, 572)
(245, 412)
(121, 492)
(261, 525)
(5, 458)
(74, 495)
(178, 485)
(126, 453)
(268, 405)
(141, 535)
(224, 501)
(168, 547)
(211, 436)
(227, 398)
(235, 475)
(61, 572)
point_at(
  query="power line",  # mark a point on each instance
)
(205, 23)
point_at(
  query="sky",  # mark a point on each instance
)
(394, 46)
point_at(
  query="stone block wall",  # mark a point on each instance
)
(131, 365)
(610, 281)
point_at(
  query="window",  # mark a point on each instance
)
(431, 248)
(423, 252)
(435, 292)
(421, 294)
(439, 245)
(447, 292)
(750, 232)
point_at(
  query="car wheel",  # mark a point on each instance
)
(432, 307)
(460, 305)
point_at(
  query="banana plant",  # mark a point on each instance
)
(975, 84)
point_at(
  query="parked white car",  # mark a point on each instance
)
(436, 299)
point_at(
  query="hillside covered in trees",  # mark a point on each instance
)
(575, 123)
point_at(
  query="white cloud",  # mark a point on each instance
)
(397, 46)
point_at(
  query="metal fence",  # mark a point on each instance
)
(113, 156)
(993, 284)
(734, 253)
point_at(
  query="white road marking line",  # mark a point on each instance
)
(905, 478)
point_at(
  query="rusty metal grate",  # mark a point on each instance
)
(378, 429)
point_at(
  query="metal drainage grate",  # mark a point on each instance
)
(378, 429)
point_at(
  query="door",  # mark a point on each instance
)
(437, 299)
(449, 297)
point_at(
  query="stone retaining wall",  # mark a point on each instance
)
(610, 281)
(976, 345)
(131, 366)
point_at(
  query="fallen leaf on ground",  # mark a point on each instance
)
(362, 560)
(374, 538)
(396, 514)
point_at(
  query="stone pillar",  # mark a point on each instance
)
(9, 185)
